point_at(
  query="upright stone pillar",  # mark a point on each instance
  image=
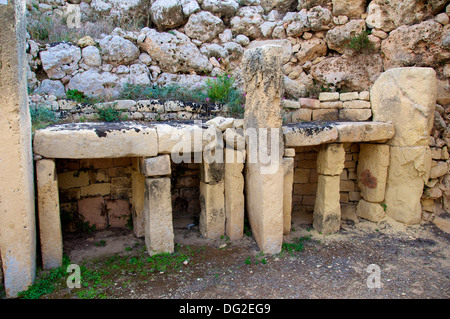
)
(407, 97)
(159, 236)
(212, 199)
(137, 199)
(372, 175)
(49, 216)
(234, 193)
(327, 208)
(288, 165)
(263, 84)
(17, 211)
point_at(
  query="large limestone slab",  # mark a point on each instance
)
(96, 140)
(49, 218)
(330, 159)
(409, 169)
(407, 97)
(212, 215)
(234, 194)
(327, 209)
(351, 132)
(307, 134)
(372, 171)
(158, 216)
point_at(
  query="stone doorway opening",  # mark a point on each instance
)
(306, 181)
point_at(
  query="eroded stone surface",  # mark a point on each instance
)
(306, 134)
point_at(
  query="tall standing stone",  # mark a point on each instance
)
(49, 218)
(263, 84)
(407, 97)
(159, 237)
(17, 212)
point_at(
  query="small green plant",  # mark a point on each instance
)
(109, 113)
(384, 206)
(296, 246)
(360, 43)
(221, 89)
(248, 261)
(101, 243)
(41, 116)
(77, 96)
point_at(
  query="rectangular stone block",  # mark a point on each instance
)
(100, 189)
(73, 179)
(331, 105)
(355, 114)
(301, 115)
(329, 96)
(372, 171)
(234, 195)
(49, 216)
(301, 175)
(288, 166)
(92, 212)
(212, 215)
(356, 104)
(212, 173)
(330, 159)
(158, 216)
(325, 115)
(348, 96)
(327, 209)
(309, 103)
(155, 166)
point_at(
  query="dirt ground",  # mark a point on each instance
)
(413, 262)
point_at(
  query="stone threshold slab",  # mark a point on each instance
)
(316, 133)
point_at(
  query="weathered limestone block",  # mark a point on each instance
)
(288, 166)
(372, 171)
(137, 199)
(409, 169)
(17, 217)
(330, 159)
(155, 166)
(263, 83)
(234, 193)
(49, 218)
(158, 216)
(212, 215)
(212, 173)
(349, 132)
(307, 134)
(327, 209)
(407, 97)
(370, 211)
(96, 140)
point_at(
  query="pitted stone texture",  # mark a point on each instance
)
(372, 171)
(330, 159)
(407, 97)
(409, 169)
(307, 134)
(49, 218)
(158, 216)
(60, 60)
(327, 210)
(212, 215)
(96, 140)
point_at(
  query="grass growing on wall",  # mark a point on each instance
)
(41, 116)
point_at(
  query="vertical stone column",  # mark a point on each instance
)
(49, 216)
(159, 237)
(234, 193)
(407, 97)
(212, 199)
(372, 175)
(288, 165)
(263, 84)
(137, 199)
(17, 211)
(327, 208)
